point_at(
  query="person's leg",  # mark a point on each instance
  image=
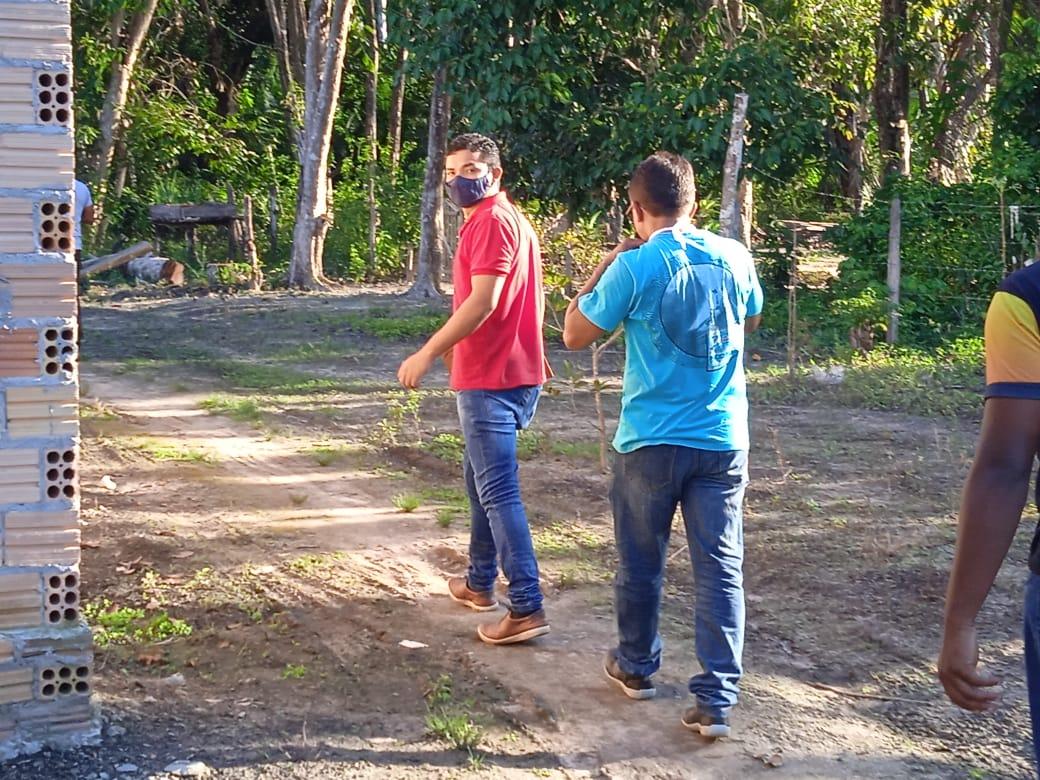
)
(1032, 655)
(712, 507)
(483, 564)
(643, 499)
(490, 422)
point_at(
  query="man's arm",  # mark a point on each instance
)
(751, 323)
(88, 215)
(991, 508)
(471, 314)
(578, 331)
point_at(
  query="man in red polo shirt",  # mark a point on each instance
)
(493, 346)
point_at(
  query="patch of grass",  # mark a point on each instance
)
(327, 454)
(579, 450)
(387, 325)
(562, 540)
(98, 412)
(241, 409)
(448, 719)
(294, 672)
(946, 382)
(315, 564)
(164, 452)
(321, 350)
(446, 516)
(273, 379)
(407, 502)
(131, 625)
(446, 446)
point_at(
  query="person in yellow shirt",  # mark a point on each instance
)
(994, 496)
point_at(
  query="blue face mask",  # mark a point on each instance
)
(466, 192)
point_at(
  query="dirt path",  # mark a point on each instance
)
(300, 578)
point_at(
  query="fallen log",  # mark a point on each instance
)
(114, 260)
(156, 269)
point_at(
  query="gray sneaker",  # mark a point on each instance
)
(705, 724)
(633, 686)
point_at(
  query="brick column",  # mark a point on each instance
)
(45, 646)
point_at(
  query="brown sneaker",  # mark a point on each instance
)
(460, 591)
(510, 630)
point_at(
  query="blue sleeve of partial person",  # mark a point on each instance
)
(611, 300)
(755, 299)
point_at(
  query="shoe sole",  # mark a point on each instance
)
(638, 694)
(712, 732)
(523, 636)
(473, 605)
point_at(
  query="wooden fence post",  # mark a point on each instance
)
(792, 307)
(895, 229)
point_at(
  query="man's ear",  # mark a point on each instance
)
(638, 212)
(693, 209)
(496, 173)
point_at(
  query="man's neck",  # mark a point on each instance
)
(468, 211)
(656, 224)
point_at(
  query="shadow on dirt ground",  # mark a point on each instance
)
(267, 520)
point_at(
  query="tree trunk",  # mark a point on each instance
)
(397, 110)
(977, 59)
(847, 140)
(729, 213)
(372, 135)
(116, 97)
(291, 79)
(432, 242)
(892, 90)
(326, 48)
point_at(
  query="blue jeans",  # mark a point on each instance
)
(709, 486)
(498, 527)
(1032, 653)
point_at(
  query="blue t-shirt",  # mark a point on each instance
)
(683, 297)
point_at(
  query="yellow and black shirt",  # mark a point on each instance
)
(1013, 351)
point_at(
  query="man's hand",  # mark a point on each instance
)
(414, 368)
(965, 684)
(632, 242)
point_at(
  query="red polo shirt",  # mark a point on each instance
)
(507, 350)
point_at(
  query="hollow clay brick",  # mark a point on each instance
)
(19, 476)
(35, 31)
(19, 351)
(44, 410)
(37, 290)
(35, 160)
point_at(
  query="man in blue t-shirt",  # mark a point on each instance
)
(686, 297)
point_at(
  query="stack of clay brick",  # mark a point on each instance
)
(45, 647)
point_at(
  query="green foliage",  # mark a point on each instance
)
(241, 409)
(131, 625)
(951, 259)
(407, 502)
(294, 672)
(385, 324)
(947, 381)
(402, 408)
(446, 446)
(449, 719)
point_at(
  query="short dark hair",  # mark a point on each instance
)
(478, 144)
(663, 184)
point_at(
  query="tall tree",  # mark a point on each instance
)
(395, 122)
(432, 241)
(967, 76)
(286, 19)
(372, 130)
(327, 28)
(892, 89)
(131, 39)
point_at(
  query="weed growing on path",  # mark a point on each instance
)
(131, 625)
(407, 502)
(294, 672)
(448, 719)
(241, 409)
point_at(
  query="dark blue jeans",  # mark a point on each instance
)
(709, 486)
(498, 527)
(1032, 653)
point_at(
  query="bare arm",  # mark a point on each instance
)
(991, 507)
(578, 331)
(471, 314)
(88, 215)
(751, 324)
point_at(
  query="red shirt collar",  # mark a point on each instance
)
(485, 204)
